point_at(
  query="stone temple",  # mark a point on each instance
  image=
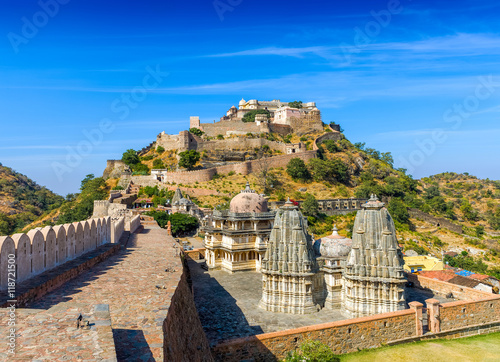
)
(291, 281)
(332, 251)
(236, 239)
(373, 277)
(361, 277)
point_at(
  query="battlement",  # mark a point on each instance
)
(44, 249)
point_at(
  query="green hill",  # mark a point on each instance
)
(22, 201)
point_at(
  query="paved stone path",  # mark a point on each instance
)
(134, 283)
(227, 306)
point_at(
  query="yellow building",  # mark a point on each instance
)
(418, 263)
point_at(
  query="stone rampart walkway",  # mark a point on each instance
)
(137, 283)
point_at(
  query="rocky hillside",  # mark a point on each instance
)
(22, 201)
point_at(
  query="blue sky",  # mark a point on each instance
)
(82, 81)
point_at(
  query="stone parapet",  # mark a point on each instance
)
(41, 250)
(342, 337)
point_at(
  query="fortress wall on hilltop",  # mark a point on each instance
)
(240, 144)
(41, 250)
(334, 135)
(222, 127)
(244, 168)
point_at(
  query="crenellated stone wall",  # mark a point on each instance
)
(135, 223)
(44, 249)
(245, 168)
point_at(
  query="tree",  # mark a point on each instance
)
(297, 169)
(399, 211)
(82, 207)
(250, 116)
(295, 104)
(181, 223)
(157, 200)
(196, 131)
(338, 169)
(387, 158)
(188, 159)
(319, 169)
(360, 145)
(310, 206)
(86, 180)
(130, 157)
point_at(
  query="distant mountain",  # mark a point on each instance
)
(22, 201)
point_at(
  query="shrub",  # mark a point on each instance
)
(140, 168)
(196, 131)
(158, 164)
(295, 104)
(220, 137)
(250, 116)
(160, 149)
(331, 146)
(147, 158)
(312, 351)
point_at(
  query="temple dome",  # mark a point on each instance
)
(248, 201)
(333, 246)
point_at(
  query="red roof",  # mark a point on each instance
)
(143, 200)
(479, 276)
(441, 275)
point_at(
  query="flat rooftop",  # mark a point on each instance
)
(228, 305)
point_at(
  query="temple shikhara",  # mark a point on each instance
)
(291, 282)
(374, 281)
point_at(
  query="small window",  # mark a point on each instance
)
(419, 269)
